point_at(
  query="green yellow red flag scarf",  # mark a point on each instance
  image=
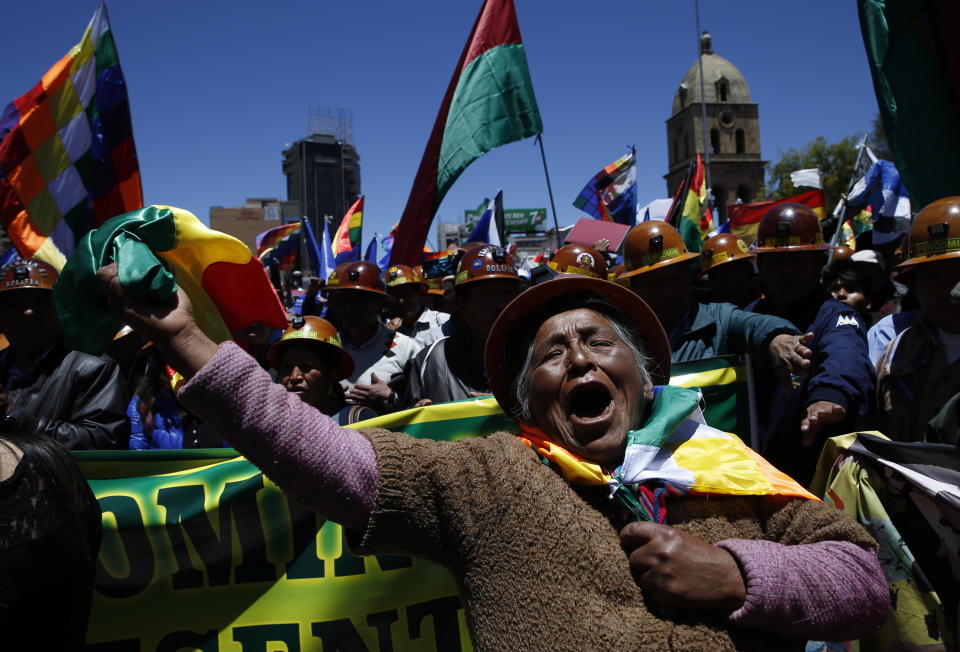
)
(674, 453)
(156, 249)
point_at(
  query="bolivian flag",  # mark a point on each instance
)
(158, 248)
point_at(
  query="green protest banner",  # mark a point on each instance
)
(723, 381)
(201, 551)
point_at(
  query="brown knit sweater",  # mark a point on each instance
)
(538, 562)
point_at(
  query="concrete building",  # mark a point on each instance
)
(323, 177)
(733, 128)
(247, 221)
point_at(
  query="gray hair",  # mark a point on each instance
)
(520, 387)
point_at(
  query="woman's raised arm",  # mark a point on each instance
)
(324, 466)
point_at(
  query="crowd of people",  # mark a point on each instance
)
(577, 352)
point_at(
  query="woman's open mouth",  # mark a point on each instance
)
(589, 403)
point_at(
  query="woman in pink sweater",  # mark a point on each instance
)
(573, 534)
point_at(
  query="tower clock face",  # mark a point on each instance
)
(726, 119)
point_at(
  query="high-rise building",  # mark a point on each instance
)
(733, 128)
(323, 176)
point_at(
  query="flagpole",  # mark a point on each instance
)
(553, 206)
(842, 216)
(703, 112)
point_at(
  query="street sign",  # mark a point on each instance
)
(515, 220)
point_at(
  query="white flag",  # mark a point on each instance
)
(809, 177)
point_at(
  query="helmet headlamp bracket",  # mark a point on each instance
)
(939, 231)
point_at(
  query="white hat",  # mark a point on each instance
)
(868, 256)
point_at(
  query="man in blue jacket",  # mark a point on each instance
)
(657, 270)
(835, 397)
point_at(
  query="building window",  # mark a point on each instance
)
(723, 88)
(741, 142)
(714, 141)
(682, 92)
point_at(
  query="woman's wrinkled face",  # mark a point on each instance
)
(586, 389)
(304, 370)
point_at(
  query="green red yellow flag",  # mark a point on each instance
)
(156, 249)
(689, 213)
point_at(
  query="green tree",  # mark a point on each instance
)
(835, 161)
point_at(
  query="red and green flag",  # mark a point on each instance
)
(67, 158)
(346, 241)
(489, 103)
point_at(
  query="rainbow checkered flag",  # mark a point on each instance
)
(279, 245)
(67, 158)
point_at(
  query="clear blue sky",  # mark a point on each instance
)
(217, 88)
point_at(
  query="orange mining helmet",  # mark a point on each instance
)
(485, 262)
(397, 275)
(318, 332)
(652, 245)
(358, 275)
(842, 252)
(27, 274)
(613, 273)
(579, 259)
(789, 227)
(935, 234)
(721, 249)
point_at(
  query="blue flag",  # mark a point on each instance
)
(881, 189)
(321, 257)
(386, 245)
(371, 253)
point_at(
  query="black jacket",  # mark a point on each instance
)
(77, 399)
(447, 370)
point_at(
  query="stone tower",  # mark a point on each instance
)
(733, 128)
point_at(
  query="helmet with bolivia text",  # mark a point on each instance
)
(485, 262)
(935, 234)
(27, 274)
(317, 332)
